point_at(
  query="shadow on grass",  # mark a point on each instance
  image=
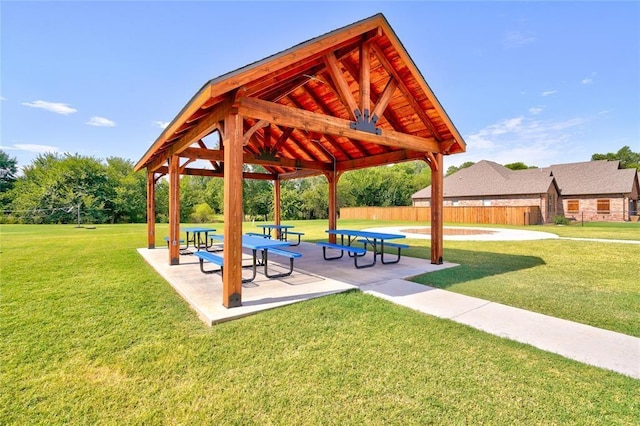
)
(475, 265)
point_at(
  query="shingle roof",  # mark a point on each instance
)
(486, 178)
(593, 177)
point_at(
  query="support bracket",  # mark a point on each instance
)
(366, 123)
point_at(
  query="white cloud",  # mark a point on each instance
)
(40, 149)
(514, 39)
(548, 93)
(2, 98)
(535, 110)
(161, 124)
(589, 79)
(100, 122)
(528, 139)
(57, 107)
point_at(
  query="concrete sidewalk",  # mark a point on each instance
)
(590, 345)
(315, 277)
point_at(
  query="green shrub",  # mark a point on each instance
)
(560, 220)
(203, 213)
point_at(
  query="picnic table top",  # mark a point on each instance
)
(258, 243)
(274, 226)
(198, 229)
(365, 234)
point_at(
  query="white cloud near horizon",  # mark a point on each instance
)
(40, 149)
(161, 124)
(526, 138)
(97, 121)
(57, 107)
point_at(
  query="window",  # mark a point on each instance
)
(455, 203)
(603, 207)
(551, 203)
(486, 203)
(573, 206)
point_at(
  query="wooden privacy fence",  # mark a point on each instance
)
(501, 215)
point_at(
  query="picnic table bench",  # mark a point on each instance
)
(384, 244)
(260, 244)
(353, 251)
(376, 239)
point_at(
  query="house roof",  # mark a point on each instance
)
(486, 178)
(593, 177)
(304, 111)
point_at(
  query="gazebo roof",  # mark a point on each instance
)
(349, 99)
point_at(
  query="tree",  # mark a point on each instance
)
(128, 202)
(8, 170)
(519, 166)
(54, 188)
(452, 169)
(203, 213)
(628, 159)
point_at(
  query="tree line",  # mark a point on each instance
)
(56, 188)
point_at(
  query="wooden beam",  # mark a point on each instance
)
(283, 138)
(437, 205)
(385, 98)
(276, 203)
(379, 160)
(204, 127)
(220, 173)
(247, 135)
(217, 155)
(407, 93)
(214, 164)
(332, 179)
(174, 210)
(232, 277)
(365, 77)
(313, 122)
(314, 47)
(151, 210)
(336, 74)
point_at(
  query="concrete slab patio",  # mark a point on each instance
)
(315, 277)
(312, 277)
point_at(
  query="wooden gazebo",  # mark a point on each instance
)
(346, 100)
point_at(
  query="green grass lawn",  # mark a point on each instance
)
(91, 334)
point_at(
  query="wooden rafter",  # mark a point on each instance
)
(204, 127)
(325, 110)
(407, 93)
(333, 68)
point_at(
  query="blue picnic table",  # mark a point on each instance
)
(377, 240)
(260, 249)
(199, 237)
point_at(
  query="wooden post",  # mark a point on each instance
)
(232, 278)
(333, 177)
(437, 204)
(276, 204)
(174, 210)
(151, 210)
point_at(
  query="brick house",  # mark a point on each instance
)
(589, 191)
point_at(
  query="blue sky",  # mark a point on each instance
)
(538, 82)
